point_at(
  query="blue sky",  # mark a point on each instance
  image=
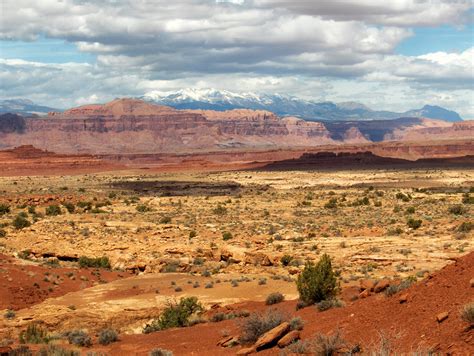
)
(397, 55)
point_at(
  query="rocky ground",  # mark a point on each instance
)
(231, 239)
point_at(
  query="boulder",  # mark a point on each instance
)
(403, 298)
(272, 336)
(471, 282)
(246, 351)
(364, 294)
(442, 317)
(381, 285)
(367, 284)
(289, 338)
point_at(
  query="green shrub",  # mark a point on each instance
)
(143, 208)
(53, 210)
(329, 303)
(414, 223)
(410, 210)
(4, 209)
(98, 262)
(331, 204)
(296, 323)
(274, 298)
(160, 352)
(175, 315)
(34, 334)
(220, 210)
(79, 338)
(466, 226)
(457, 209)
(165, 220)
(70, 207)
(258, 324)
(467, 313)
(394, 289)
(107, 336)
(286, 259)
(56, 350)
(20, 222)
(226, 235)
(317, 282)
(9, 314)
(403, 197)
(192, 234)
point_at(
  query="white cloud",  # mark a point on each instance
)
(317, 49)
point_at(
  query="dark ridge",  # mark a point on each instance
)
(363, 160)
(375, 130)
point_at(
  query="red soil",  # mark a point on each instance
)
(23, 284)
(410, 326)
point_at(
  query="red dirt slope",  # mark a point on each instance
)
(23, 284)
(409, 326)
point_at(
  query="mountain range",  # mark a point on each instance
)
(281, 105)
(285, 105)
(23, 107)
(132, 126)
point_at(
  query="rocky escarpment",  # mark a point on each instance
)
(130, 126)
(134, 126)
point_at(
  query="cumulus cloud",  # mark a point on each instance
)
(308, 48)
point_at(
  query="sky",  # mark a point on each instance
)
(393, 55)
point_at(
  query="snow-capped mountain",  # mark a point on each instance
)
(285, 105)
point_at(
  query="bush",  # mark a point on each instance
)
(9, 314)
(394, 289)
(175, 315)
(457, 209)
(467, 313)
(79, 338)
(21, 350)
(143, 208)
(466, 226)
(165, 220)
(53, 210)
(4, 209)
(56, 350)
(160, 352)
(414, 223)
(410, 210)
(274, 298)
(331, 204)
(20, 222)
(328, 304)
(286, 259)
(220, 210)
(256, 325)
(34, 334)
(226, 235)
(70, 207)
(317, 282)
(3, 233)
(296, 323)
(107, 336)
(97, 262)
(328, 345)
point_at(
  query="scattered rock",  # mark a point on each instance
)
(246, 351)
(364, 294)
(442, 316)
(403, 298)
(381, 285)
(272, 336)
(289, 338)
(224, 340)
(471, 282)
(230, 343)
(367, 284)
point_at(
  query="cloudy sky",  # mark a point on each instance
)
(396, 55)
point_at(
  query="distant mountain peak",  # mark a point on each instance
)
(286, 105)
